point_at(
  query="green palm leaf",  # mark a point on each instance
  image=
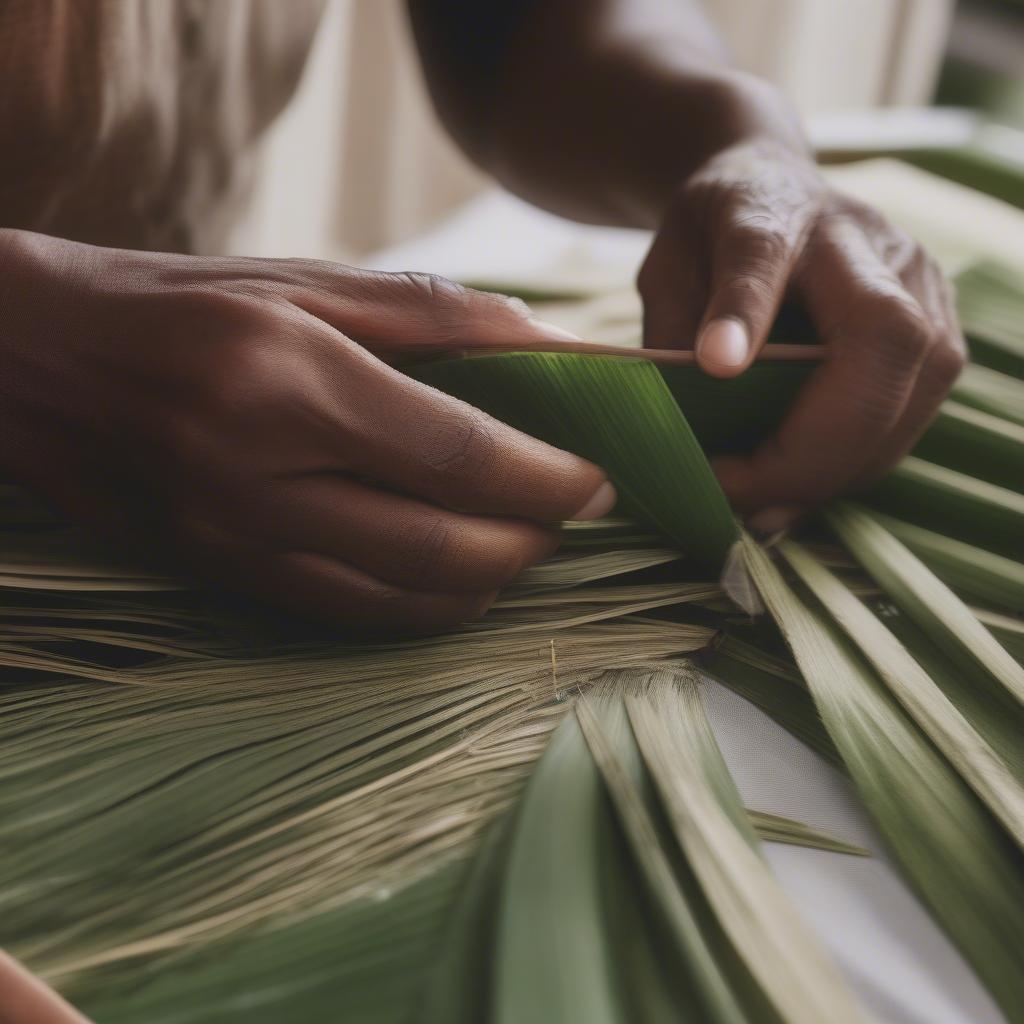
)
(953, 852)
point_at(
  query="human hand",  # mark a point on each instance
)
(757, 224)
(24, 999)
(233, 416)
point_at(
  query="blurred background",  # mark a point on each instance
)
(359, 162)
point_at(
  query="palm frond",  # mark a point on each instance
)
(208, 813)
(926, 599)
(953, 852)
(925, 703)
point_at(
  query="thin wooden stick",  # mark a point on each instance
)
(684, 357)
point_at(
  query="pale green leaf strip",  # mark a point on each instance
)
(951, 849)
(923, 596)
(979, 443)
(458, 985)
(574, 925)
(776, 828)
(670, 685)
(982, 575)
(552, 967)
(641, 834)
(370, 956)
(680, 752)
(954, 504)
(1007, 630)
(996, 715)
(990, 301)
(981, 767)
(983, 427)
(573, 571)
(991, 391)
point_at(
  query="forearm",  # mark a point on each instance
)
(597, 109)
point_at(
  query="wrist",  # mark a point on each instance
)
(723, 110)
(749, 109)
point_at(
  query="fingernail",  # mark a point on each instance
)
(723, 343)
(601, 503)
(553, 331)
(770, 521)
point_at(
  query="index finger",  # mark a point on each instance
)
(877, 337)
(753, 259)
(416, 439)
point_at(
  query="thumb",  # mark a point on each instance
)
(411, 313)
(751, 266)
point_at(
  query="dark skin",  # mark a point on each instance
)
(241, 417)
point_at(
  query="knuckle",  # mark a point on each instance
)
(434, 288)
(701, 201)
(245, 375)
(386, 601)
(933, 270)
(859, 212)
(916, 258)
(946, 364)
(509, 305)
(441, 557)
(438, 292)
(304, 270)
(760, 239)
(898, 250)
(239, 384)
(698, 192)
(506, 562)
(901, 333)
(755, 253)
(750, 289)
(462, 446)
(646, 278)
(221, 312)
(432, 552)
(447, 303)
(911, 334)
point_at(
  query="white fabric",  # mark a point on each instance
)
(897, 961)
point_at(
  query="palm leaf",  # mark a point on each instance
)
(991, 391)
(929, 707)
(777, 828)
(949, 847)
(991, 307)
(616, 757)
(926, 599)
(971, 571)
(200, 802)
(976, 442)
(707, 818)
(953, 504)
